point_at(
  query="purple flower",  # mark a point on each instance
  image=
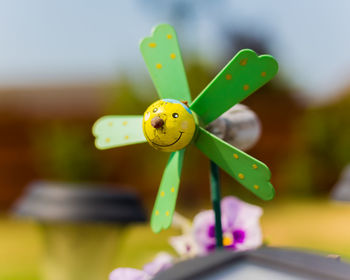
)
(126, 273)
(240, 226)
(161, 262)
(241, 231)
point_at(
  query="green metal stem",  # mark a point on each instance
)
(215, 198)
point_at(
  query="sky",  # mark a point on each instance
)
(58, 42)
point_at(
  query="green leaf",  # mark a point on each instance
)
(164, 206)
(243, 75)
(248, 171)
(115, 131)
(162, 55)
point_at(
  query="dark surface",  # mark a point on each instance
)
(294, 264)
(62, 202)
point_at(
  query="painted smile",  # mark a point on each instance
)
(177, 140)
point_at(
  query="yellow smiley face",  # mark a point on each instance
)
(168, 125)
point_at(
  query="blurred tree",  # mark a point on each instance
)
(65, 152)
(239, 39)
(323, 149)
(122, 98)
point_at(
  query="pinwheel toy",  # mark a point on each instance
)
(173, 122)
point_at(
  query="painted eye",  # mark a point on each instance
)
(155, 110)
(175, 115)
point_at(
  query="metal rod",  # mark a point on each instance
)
(215, 199)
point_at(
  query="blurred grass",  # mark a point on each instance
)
(20, 249)
(317, 225)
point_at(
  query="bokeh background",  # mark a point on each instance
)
(63, 64)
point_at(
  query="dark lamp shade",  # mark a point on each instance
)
(67, 202)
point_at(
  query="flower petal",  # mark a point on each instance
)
(253, 238)
(126, 273)
(238, 236)
(161, 262)
(184, 245)
(230, 206)
(239, 215)
(248, 216)
(202, 224)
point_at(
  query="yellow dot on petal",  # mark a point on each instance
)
(228, 76)
(157, 213)
(162, 193)
(152, 45)
(235, 156)
(255, 166)
(172, 189)
(256, 187)
(263, 74)
(246, 87)
(241, 176)
(243, 62)
(173, 56)
(158, 65)
(167, 213)
(169, 36)
(126, 137)
(125, 123)
(108, 140)
(110, 124)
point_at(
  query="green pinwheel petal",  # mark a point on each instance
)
(248, 171)
(164, 206)
(243, 75)
(162, 55)
(115, 131)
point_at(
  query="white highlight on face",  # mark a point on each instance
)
(147, 116)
